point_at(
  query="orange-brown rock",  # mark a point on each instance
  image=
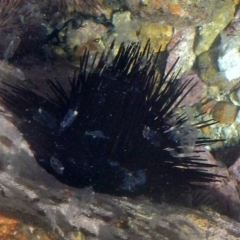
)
(207, 106)
(7, 227)
(224, 112)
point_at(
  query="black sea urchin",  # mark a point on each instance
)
(113, 126)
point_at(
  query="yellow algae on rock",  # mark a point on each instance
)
(129, 30)
(159, 34)
(199, 221)
(236, 1)
(208, 32)
(208, 69)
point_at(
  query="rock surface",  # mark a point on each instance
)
(28, 192)
(207, 33)
(40, 199)
(224, 112)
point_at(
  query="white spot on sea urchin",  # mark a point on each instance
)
(56, 165)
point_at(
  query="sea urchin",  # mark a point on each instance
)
(113, 126)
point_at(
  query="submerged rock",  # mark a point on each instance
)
(229, 57)
(224, 112)
(207, 33)
(181, 46)
(30, 193)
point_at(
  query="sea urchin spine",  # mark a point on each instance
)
(113, 126)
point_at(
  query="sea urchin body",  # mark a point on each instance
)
(113, 126)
